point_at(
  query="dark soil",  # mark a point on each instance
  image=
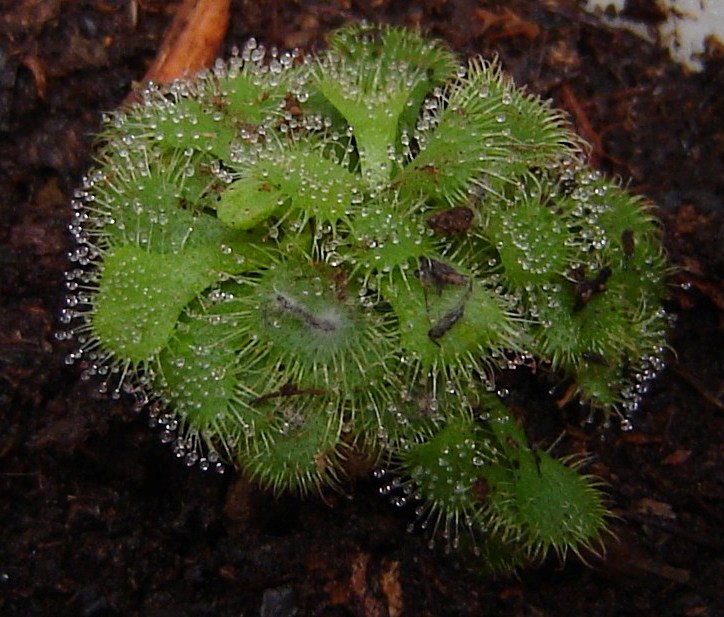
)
(98, 518)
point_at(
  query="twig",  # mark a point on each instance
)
(191, 42)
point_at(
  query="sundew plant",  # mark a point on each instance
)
(301, 261)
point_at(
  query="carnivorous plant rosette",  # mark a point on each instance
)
(302, 260)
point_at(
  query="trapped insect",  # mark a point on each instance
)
(437, 274)
(447, 321)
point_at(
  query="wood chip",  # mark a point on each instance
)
(391, 587)
(192, 41)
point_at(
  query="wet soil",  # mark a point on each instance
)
(99, 519)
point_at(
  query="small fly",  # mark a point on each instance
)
(585, 288)
(434, 273)
(296, 309)
(449, 319)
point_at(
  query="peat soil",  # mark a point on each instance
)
(98, 518)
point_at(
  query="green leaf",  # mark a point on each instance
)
(141, 295)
